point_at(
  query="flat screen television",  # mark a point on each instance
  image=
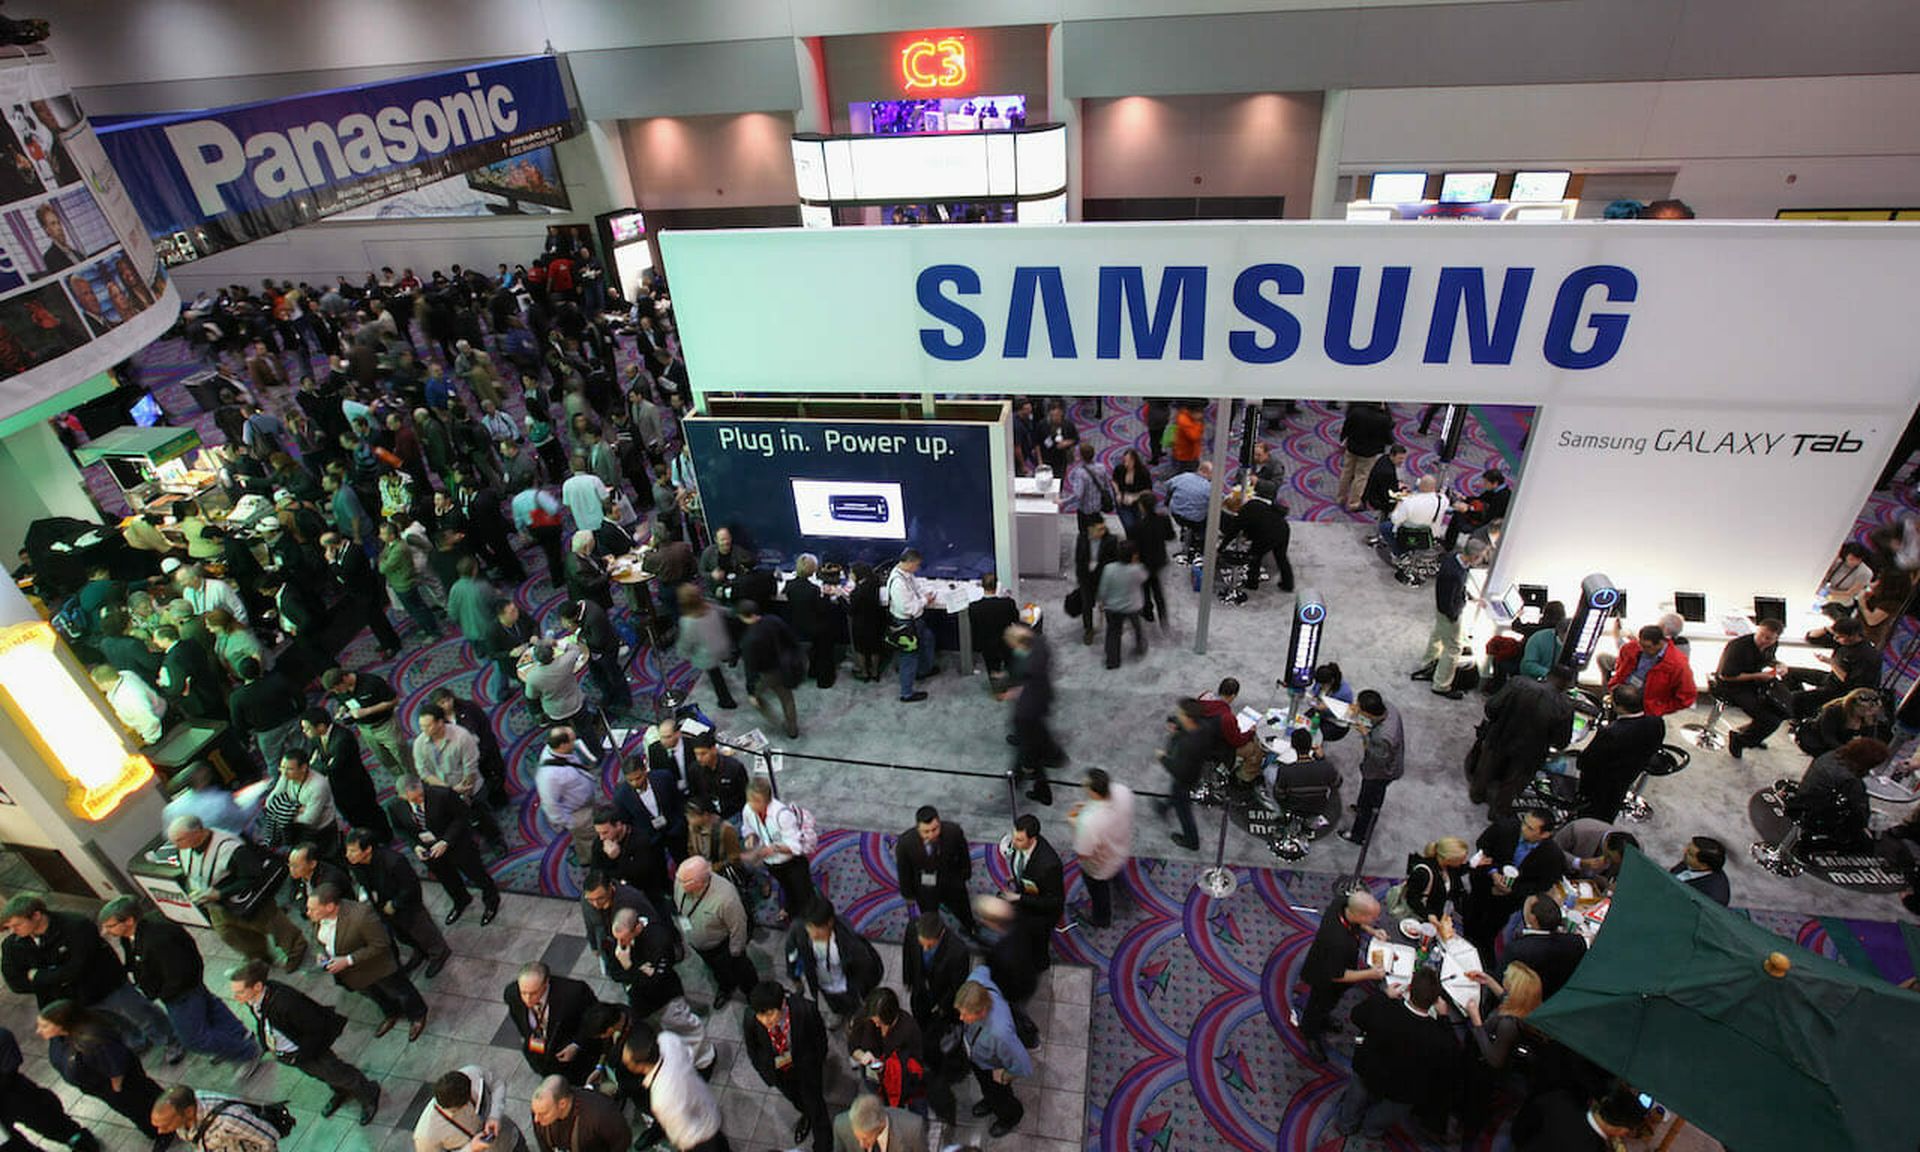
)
(1539, 187)
(1398, 187)
(1467, 187)
(628, 228)
(531, 176)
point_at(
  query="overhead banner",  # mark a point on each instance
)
(80, 287)
(1717, 399)
(1662, 312)
(221, 178)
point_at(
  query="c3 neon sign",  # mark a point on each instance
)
(933, 63)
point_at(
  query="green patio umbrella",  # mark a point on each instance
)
(1758, 1042)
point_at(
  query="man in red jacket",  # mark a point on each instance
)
(1219, 707)
(1660, 668)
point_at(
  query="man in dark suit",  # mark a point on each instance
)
(629, 854)
(300, 1033)
(1703, 867)
(601, 899)
(1618, 753)
(933, 864)
(388, 883)
(1264, 523)
(787, 1044)
(856, 960)
(670, 752)
(435, 820)
(335, 753)
(550, 1013)
(1038, 891)
(366, 591)
(988, 619)
(165, 965)
(188, 677)
(1516, 859)
(718, 777)
(1553, 954)
(933, 965)
(567, 1118)
(812, 622)
(650, 800)
(1404, 1060)
(361, 958)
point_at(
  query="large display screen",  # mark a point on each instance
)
(1467, 187)
(850, 490)
(1398, 187)
(1539, 187)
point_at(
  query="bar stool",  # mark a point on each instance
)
(1709, 736)
(1669, 759)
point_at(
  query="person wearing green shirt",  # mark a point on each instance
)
(471, 601)
(396, 565)
(1542, 649)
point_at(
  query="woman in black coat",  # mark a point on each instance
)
(87, 1054)
(1436, 875)
(867, 621)
(1150, 534)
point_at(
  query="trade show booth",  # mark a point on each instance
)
(1667, 361)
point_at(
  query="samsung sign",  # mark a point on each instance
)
(1138, 323)
(1758, 313)
(218, 178)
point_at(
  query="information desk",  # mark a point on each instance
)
(1036, 525)
(157, 870)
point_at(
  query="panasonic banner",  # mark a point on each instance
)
(220, 178)
(1715, 399)
(80, 287)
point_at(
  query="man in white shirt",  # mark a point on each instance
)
(469, 1106)
(681, 1102)
(585, 496)
(203, 594)
(907, 602)
(771, 833)
(569, 789)
(1423, 509)
(139, 707)
(1103, 839)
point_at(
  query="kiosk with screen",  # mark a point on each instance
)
(1539, 187)
(1303, 645)
(1398, 187)
(1598, 597)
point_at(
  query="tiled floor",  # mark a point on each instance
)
(467, 1024)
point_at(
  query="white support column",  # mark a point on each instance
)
(815, 113)
(1061, 109)
(1326, 159)
(1210, 550)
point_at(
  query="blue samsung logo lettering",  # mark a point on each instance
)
(1146, 314)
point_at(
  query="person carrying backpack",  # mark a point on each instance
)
(782, 837)
(211, 1122)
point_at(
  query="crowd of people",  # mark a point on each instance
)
(403, 487)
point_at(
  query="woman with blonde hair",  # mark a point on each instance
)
(1861, 712)
(1436, 875)
(1503, 1040)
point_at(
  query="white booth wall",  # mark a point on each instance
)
(1736, 148)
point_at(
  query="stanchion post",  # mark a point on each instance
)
(1013, 795)
(773, 781)
(1353, 880)
(1219, 881)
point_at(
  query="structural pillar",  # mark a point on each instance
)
(1062, 109)
(815, 113)
(1326, 157)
